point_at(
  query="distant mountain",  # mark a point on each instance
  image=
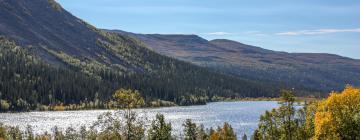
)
(324, 72)
(49, 56)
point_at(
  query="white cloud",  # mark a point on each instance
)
(252, 32)
(246, 33)
(220, 33)
(260, 34)
(318, 31)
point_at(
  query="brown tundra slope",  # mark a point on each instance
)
(312, 70)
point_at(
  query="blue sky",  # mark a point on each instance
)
(327, 26)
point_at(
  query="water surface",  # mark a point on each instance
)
(243, 116)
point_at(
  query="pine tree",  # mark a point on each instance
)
(159, 129)
(190, 130)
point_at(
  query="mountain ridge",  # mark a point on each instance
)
(320, 71)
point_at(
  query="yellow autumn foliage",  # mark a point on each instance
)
(59, 107)
(337, 117)
(214, 136)
(224, 133)
(127, 98)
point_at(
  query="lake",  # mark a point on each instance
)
(243, 116)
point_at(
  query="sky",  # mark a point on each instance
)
(315, 26)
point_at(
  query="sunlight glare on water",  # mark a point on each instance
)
(243, 116)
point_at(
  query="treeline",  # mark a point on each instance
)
(29, 83)
(334, 118)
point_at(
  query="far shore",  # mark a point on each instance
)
(297, 99)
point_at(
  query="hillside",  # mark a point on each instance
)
(324, 72)
(66, 50)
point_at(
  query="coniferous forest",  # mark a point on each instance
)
(27, 83)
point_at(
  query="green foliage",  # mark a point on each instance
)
(257, 135)
(110, 125)
(134, 127)
(283, 123)
(130, 129)
(287, 112)
(159, 129)
(190, 132)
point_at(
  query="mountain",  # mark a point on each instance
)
(48, 56)
(45, 26)
(317, 71)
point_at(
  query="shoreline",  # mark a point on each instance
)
(297, 99)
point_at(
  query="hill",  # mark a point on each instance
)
(315, 71)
